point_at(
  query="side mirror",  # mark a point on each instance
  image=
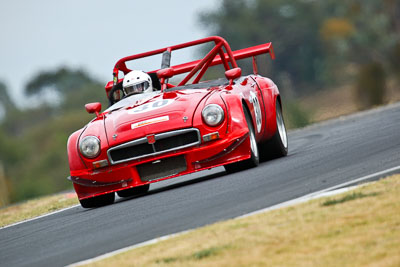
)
(233, 74)
(165, 73)
(93, 108)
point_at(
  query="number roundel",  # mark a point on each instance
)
(151, 106)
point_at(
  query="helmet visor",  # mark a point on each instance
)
(137, 88)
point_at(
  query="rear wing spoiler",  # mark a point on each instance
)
(221, 53)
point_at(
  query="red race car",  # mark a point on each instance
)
(155, 130)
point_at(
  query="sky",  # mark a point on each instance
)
(43, 35)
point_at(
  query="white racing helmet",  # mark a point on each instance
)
(137, 82)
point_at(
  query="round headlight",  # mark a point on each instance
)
(213, 115)
(90, 146)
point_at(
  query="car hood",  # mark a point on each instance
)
(154, 113)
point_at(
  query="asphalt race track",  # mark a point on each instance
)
(320, 156)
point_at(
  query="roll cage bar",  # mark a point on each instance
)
(215, 56)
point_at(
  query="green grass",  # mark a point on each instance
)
(36, 207)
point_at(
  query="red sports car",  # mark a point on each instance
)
(168, 125)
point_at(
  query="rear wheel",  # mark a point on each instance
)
(135, 191)
(277, 146)
(253, 161)
(98, 201)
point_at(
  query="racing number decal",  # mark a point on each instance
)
(151, 106)
(257, 110)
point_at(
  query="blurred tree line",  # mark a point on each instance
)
(33, 140)
(318, 44)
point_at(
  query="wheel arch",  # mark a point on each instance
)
(246, 106)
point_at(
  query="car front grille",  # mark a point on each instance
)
(164, 142)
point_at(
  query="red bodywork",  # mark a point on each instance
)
(162, 135)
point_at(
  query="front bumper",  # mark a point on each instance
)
(89, 183)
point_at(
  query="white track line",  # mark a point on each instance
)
(122, 250)
(337, 189)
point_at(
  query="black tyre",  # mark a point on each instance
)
(135, 191)
(277, 146)
(98, 201)
(254, 160)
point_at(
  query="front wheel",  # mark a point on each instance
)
(253, 161)
(98, 201)
(277, 146)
